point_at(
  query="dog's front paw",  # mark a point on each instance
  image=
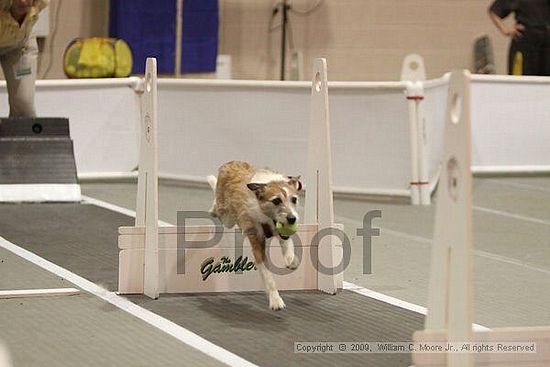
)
(291, 261)
(276, 303)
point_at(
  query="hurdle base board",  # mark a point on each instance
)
(131, 261)
(539, 335)
(40, 193)
(32, 293)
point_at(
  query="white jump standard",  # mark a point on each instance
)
(450, 304)
(149, 258)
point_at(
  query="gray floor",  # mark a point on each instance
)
(512, 250)
(511, 241)
(80, 330)
(242, 324)
(82, 239)
(512, 265)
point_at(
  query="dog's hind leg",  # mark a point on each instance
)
(290, 258)
(276, 303)
(228, 221)
(213, 182)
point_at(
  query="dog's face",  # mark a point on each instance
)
(278, 199)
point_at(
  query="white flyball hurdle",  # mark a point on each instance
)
(450, 303)
(211, 258)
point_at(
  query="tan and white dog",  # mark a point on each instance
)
(255, 200)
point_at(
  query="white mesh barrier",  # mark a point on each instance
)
(435, 105)
(103, 116)
(203, 124)
(371, 148)
(510, 123)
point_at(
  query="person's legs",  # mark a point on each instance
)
(20, 69)
(545, 59)
(512, 55)
(531, 62)
(526, 53)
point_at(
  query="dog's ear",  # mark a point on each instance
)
(295, 181)
(258, 188)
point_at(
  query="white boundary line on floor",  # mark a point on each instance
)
(115, 208)
(480, 253)
(512, 215)
(347, 285)
(520, 186)
(384, 298)
(508, 260)
(184, 335)
(420, 309)
(395, 301)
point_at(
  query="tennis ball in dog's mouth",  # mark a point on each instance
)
(286, 230)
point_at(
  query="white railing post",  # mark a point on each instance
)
(414, 73)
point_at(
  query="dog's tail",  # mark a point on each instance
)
(212, 181)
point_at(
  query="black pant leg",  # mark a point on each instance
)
(545, 59)
(531, 47)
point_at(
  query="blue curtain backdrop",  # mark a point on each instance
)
(150, 29)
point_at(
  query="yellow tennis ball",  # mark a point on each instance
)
(286, 230)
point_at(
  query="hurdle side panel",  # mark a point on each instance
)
(190, 236)
(319, 206)
(130, 272)
(189, 278)
(538, 335)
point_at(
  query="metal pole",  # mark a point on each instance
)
(284, 8)
(179, 29)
